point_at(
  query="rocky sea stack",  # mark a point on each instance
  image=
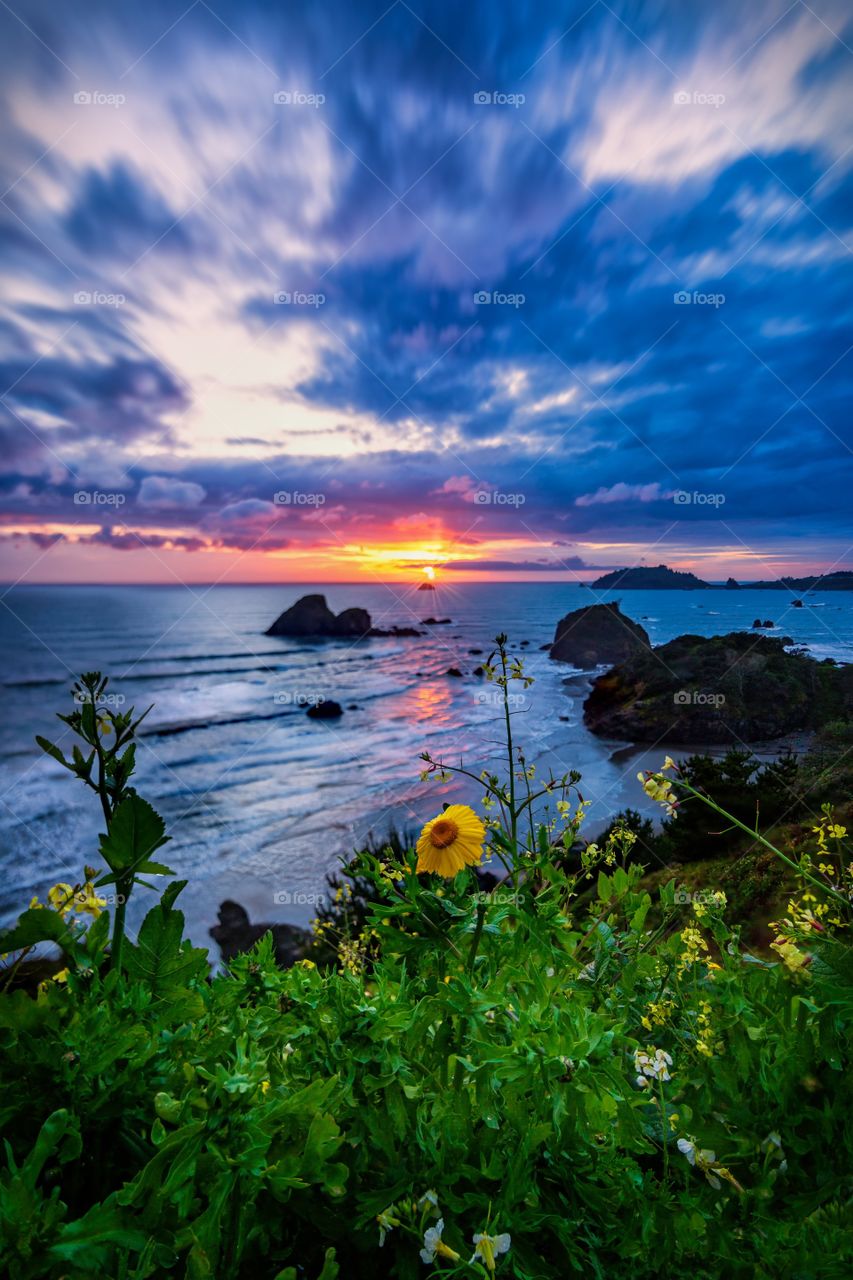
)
(327, 709)
(312, 619)
(718, 690)
(598, 633)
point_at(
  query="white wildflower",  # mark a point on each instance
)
(487, 1248)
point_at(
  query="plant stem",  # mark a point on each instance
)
(102, 781)
(478, 933)
(663, 1127)
(712, 804)
(118, 925)
(512, 812)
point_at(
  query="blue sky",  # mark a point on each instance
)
(339, 291)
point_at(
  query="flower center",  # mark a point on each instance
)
(443, 832)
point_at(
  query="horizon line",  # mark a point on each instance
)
(350, 582)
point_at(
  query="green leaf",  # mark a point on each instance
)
(322, 1141)
(82, 764)
(52, 750)
(97, 936)
(153, 869)
(167, 901)
(331, 1270)
(39, 924)
(85, 1242)
(161, 958)
(49, 1137)
(88, 721)
(136, 830)
(638, 919)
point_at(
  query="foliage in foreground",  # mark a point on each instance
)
(532, 1081)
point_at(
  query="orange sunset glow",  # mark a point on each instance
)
(161, 553)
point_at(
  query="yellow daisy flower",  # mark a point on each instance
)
(451, 842)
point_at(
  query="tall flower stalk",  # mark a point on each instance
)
(133, 829)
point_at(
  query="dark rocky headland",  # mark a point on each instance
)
(713, 690)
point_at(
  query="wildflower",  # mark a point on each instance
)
(487, 1248)
(451, 842)
(704, 1160)
(707, 1042)
(265, 1087)
(694, 946)
(792, 957)
(60, 897)
(428, 1198)
(659, 788)
(86, 900)
(60, 976)
(435, 1247)
(653, 1065)
(662, 1060)
(387, 1222)
(352, 955)
(658, 1014)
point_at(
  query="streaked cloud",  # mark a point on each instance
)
(258, 251)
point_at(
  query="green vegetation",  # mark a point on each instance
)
(780, 797)
(561, 1075)
(725, 689)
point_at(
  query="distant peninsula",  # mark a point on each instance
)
(662, 578)
(645, 578)
(838, 581)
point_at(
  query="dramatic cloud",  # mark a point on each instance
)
(164, 492)
(331, 288)
(621, 492)
(525, 566)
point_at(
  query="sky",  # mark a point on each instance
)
(362, 290)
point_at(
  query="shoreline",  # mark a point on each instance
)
(260, 799)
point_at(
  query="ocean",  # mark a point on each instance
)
(262, 801)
